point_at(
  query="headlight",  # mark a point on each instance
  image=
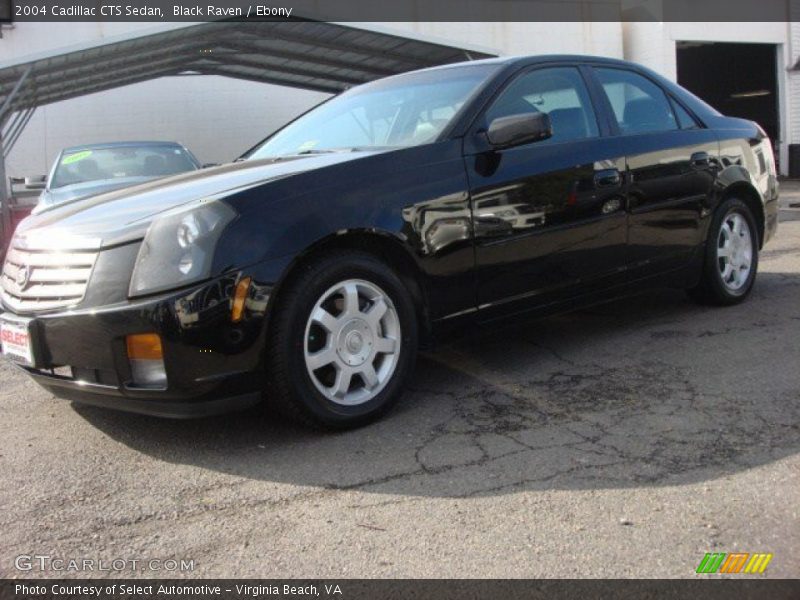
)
(178, 248)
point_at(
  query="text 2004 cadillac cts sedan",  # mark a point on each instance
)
(309, 273)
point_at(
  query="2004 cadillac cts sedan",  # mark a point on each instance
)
(309, 272)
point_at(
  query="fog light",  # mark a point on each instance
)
(146, 358)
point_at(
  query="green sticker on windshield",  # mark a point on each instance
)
(309, 145)
(68, 160)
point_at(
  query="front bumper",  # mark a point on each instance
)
(156, 403)
(213, 365)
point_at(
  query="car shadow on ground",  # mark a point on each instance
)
(651, 390)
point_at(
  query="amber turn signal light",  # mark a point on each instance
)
(144, 346)
(239, 297)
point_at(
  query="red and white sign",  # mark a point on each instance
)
(16, 342)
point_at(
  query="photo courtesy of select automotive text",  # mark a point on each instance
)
(466, 299)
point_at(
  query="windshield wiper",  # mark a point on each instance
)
(312, 151)
(347, 149)
(315, 151)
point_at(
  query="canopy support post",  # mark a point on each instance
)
(5, 192)
(5, 205)
(10, 98)
(14, 135)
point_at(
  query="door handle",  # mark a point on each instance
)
(700, 159)
(607, 178)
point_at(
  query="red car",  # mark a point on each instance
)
(24, 196)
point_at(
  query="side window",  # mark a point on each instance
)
(639, 105)
(685, 120)
(560, 92)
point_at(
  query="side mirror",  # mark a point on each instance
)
(516, 130)
(36, 182)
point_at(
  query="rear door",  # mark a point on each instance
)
(548, 217)
(672, 164)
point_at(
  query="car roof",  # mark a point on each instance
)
(106, 145)
(536, 58)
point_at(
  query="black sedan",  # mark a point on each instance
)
(309, 273)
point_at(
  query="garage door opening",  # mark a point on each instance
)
(739, 80)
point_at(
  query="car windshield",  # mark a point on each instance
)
(406, 110)
(120, 162)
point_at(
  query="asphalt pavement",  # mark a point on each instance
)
(623, 441)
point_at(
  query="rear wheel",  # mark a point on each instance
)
(343, 339)
(731, 259)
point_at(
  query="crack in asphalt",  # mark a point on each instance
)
(698, 435)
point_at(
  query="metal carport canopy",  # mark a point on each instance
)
(314, 55)
(326, 57)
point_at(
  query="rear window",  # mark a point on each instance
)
(639, 105)
(685, 120)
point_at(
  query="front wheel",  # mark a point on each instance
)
(344, 339)
(731, 259)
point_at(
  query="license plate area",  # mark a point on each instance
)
(16, 340)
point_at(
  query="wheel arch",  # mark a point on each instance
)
(384, 246)
(745, 192)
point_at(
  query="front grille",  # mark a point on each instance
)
(35, 280)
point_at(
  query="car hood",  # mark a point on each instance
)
(124, 215)
(76, 191)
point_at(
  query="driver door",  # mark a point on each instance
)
(549, 217)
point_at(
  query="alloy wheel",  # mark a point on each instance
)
(352, 342)
(734, 251)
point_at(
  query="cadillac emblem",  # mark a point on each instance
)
(23, 276)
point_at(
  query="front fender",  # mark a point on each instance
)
(418, 197)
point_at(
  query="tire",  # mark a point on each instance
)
(728, 278)
(301, 383)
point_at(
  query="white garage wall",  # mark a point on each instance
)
(793, 86)
(650, 44)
